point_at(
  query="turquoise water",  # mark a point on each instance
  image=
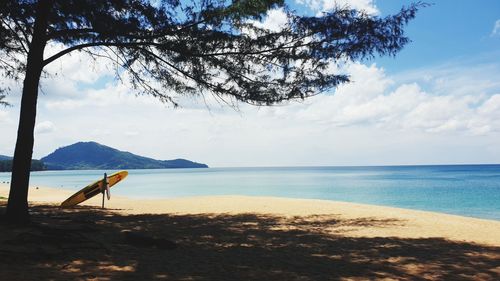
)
(468, 190)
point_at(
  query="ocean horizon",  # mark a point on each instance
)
(468, 190)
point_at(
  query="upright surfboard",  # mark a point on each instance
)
(93, 189)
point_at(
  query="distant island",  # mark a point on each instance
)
(95, 156)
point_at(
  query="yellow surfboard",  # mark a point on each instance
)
(93, 189)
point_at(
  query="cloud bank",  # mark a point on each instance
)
(443, 114)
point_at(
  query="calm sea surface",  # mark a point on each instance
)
(468, 190)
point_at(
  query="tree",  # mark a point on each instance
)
(191, 47)
(2, 102)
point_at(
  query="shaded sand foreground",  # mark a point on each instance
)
(243, 238)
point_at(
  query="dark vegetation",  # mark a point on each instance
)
(2, 99)
(86, 243)
(92, 155)
(6, 165)
(3, 157)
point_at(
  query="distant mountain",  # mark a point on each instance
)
(92, 155)
(3, 157)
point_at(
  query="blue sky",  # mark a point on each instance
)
(436, 102)
(446, 30)
(442, 31)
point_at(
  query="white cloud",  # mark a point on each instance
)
(8, 129)
(491, 106)
(3, 115)
(376, 112)
(275, 20)
(77, 66)
(65, 104)
(131, 133)
(449, 113)
(111, 96)
(44, 127)
(496, 29)
(369, 101)
(320, 6)
(457, 77)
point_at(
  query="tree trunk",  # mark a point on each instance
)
(17, 206)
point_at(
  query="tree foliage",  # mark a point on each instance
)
(185, 46)
(205, 46)
(2, 102)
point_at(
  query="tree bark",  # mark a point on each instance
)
(17, 206)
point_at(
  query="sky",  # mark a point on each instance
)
(436, 102)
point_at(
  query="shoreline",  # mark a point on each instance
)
(442, 190)
(390, 221)
(59, 194)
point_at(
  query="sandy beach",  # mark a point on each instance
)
(249, 238)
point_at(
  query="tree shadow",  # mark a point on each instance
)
(86, 243)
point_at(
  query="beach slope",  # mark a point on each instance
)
(243, 238)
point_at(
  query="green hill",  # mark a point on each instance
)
(95, 156)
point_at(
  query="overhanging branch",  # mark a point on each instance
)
(19, 39)
(96, 44)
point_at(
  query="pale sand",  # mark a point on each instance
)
(394, 222)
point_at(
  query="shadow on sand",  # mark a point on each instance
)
(86, 243)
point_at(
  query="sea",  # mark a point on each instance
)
(466, 190)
